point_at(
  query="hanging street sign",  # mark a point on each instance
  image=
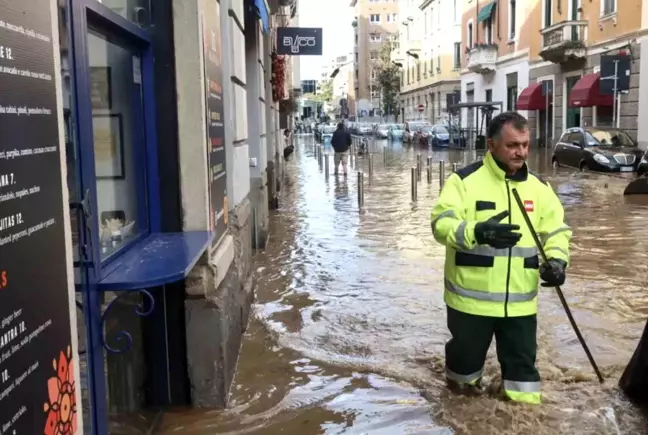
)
(299, 41)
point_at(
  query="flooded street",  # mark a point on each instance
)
(349, 326)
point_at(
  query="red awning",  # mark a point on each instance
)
(531, 98)
(586, 93)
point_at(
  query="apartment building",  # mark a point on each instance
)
(497, 43)
(375, 23)
(565, 70)
(430, 55)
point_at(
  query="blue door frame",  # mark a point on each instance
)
(85, 15)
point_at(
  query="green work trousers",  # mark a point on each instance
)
(516, 351)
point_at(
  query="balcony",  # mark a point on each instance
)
(414, 46)
(482, 58)
(564, 41)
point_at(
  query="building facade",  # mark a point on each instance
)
(574, 37)
(497, 37)
(375, 23)
(429, 51)
(172, 148)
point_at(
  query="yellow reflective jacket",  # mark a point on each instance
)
(482, 280)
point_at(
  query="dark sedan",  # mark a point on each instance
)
(597, 149)
(439, 137)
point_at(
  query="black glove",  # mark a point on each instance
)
(553, 273)
(496, 234)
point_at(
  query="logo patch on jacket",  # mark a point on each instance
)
(528, 205)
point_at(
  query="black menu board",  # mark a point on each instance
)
(212, 45)
(37, 384)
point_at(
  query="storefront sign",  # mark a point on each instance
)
(37, 371)
(212, 45)
(614, 66)
(299, 41)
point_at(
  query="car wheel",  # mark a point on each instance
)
(554, 163)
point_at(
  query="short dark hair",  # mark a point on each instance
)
(340, 125)
(518, 121)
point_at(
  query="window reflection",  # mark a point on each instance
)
(115, 93)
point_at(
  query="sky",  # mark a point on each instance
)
(334, 17)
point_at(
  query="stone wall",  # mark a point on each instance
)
(219, 296)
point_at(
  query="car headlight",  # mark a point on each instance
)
(601, 159)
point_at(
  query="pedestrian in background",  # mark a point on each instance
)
(341, 142)
(289, 148)
(492, 266)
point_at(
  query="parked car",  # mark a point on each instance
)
(382, 131)
(642, 169)
(364, 129)
(439, 137)
(597, 149)
(421, 135)
(410, 128)
(396, 131)
(327, 132)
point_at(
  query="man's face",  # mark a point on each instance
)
(511, 147)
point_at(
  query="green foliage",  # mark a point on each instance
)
(388, 80)
(325, 95)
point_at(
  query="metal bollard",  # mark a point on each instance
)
(419, 167)
(414, 183)
(385, 155)
(441, 173)
(454, 167)
(370, 165)
(320, 158)
(429, 169)
(326, 165)
(360, 189)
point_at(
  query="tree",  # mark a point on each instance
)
(388, 82)
(325, 95)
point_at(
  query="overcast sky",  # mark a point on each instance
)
(334, 17)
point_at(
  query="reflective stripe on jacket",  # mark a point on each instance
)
(482, 280)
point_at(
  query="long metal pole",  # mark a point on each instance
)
(414, 183)
(360, 189)
(441, 173)
(385, 155)
(419, 168)
(563, 301)
(370, 165)
(614, 103)
(429, 170)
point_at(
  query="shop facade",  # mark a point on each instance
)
(572, 91)
(169, 126)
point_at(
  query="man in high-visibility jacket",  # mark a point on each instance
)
(492, 266)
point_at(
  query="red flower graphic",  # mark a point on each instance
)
(61, 408)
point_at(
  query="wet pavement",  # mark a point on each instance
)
(348, 330)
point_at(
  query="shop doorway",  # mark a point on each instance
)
(573, 114)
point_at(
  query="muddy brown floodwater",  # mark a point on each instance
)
(348, 330)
